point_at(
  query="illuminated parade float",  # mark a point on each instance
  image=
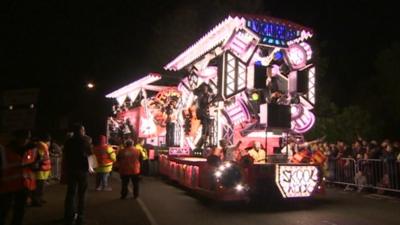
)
(249, 82)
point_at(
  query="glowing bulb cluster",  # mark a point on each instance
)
(218, 173)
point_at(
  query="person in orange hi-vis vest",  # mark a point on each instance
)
(43, 172)
(16, 177)
(105, 156)
(128, 160)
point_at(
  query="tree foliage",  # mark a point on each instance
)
(344, 124)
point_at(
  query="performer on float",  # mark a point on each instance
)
(204, 98)
(303, 154)
(170, 122)
(258, 153)
(215, 158)
(290, 149)
(231, 152)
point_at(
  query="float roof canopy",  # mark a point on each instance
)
(272, 31)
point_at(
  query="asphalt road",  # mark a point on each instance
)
(167, 203)
(102, 208)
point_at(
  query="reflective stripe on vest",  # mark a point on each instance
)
(102, 156)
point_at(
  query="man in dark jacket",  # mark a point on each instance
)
(76, 152)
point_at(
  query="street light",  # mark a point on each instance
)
(90, 85)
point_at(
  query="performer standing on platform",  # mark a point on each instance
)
(231, 152)
(170, 124)
(257, 153)
(204, 98)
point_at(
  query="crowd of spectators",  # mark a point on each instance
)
(364, 163)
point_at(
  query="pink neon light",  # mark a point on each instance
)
(304, 35)
(150, 78)
(238, 112)
(275, 70)
(212, 39)
(182, 87)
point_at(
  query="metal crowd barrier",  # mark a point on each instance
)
(56, 161)
(382, 175)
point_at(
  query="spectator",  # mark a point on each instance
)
(374, 152)
(389, 162)
(76, 151)
(358, 150)
(396, 150)
(105, 156)
(360, 180)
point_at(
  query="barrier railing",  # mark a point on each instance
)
(56, 162)
(383, 175)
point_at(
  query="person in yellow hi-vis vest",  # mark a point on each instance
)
(43, 172)
(105, 156)
(145, 158)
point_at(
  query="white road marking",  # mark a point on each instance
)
(147, 212)
(378, 196)
(328, 222)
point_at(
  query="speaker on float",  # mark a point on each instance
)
(302, 81)
(278, 117)
(260, 76)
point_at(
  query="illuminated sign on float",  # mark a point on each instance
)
(277, 33)
(179, 151)
(296, 181)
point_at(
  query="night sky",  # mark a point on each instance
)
(58, 46)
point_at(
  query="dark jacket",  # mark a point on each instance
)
(76, 152)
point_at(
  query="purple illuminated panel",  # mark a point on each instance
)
(238, 112)
(302, 119)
